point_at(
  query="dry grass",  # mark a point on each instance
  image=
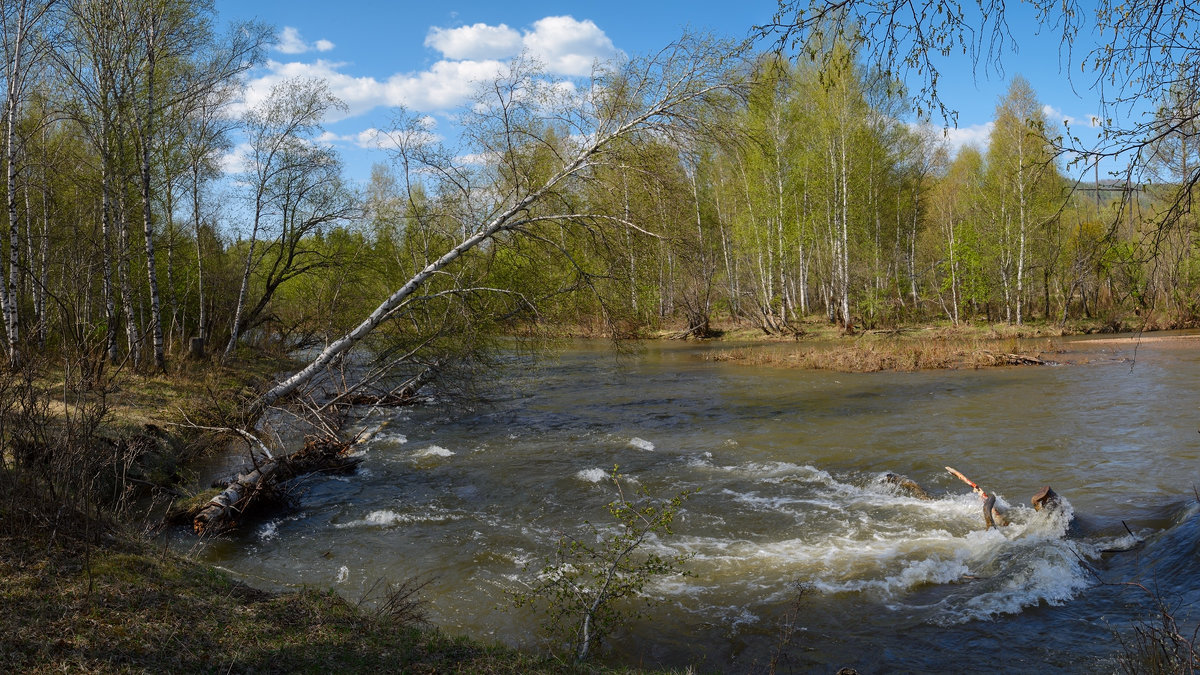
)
(873, 354)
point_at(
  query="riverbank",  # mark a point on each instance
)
(923, 348)
(90, 597)
(85, 586)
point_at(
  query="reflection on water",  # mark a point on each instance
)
(789, 470)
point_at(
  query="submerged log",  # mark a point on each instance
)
(223, 511)
(1014, 359)
(1045, 499)
(1023, 360)
(908, 486)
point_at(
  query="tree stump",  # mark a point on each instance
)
(196, 348)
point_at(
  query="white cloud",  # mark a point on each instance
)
(445, 85)
(371, 139)
(1056, 116)
(479, 41)
(475, 53)
(564, 44)
(290, 42)
(236, 160)
(567, 46)
(422, 132)
(975, 134)
(477, 159)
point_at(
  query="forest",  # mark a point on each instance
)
(797, 192)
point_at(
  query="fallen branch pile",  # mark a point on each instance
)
(223, 511)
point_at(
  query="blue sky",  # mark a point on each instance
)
(425, 55)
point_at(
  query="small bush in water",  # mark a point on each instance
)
(583, 583)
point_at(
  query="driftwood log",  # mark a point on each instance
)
(992, 515)
(224, 511)
(1015, 359)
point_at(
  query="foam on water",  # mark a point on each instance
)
(776, 472)
(851, 538)
(434, 451)
(385, 518)
(592, 475)
(393, 437)
(641, 444)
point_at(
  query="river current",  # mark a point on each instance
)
(788, 468)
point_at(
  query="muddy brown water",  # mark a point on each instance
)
(789, 467)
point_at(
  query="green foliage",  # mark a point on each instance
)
(585, 588)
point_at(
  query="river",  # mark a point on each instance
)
(788, 466)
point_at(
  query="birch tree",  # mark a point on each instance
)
(205, 137)
(178, 64)
(954, 201)
(1023, 176)
(280, 133)
(25, 28)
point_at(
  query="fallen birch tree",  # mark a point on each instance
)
(224, 511)
(630, 103)
(638, 101)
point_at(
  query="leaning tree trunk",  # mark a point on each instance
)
(220, 512)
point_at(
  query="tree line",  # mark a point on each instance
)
(696, 185)
(815, 197)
